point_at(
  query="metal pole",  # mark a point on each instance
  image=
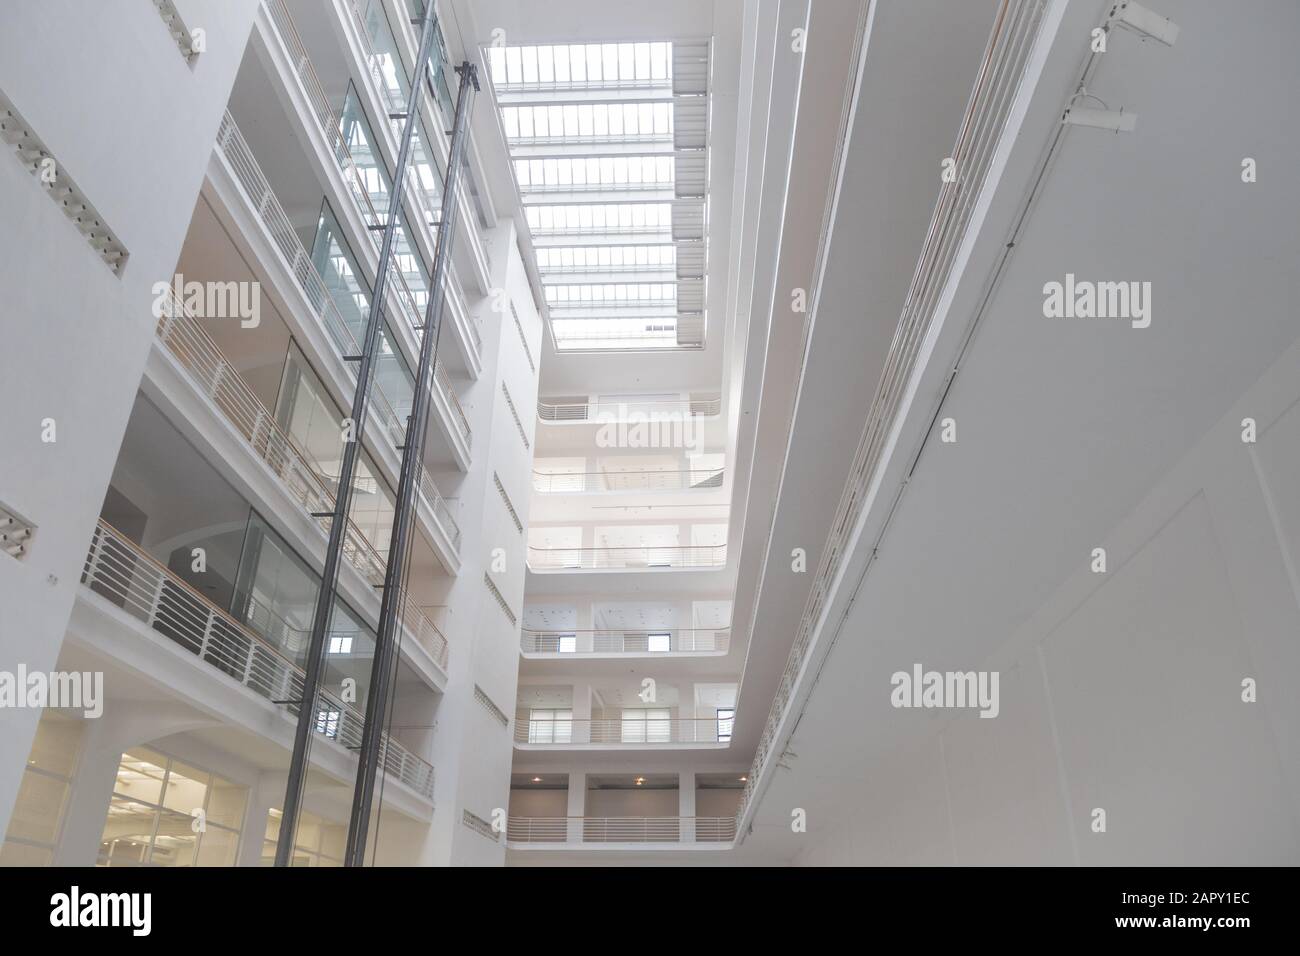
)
(381, 673)
(343, 500)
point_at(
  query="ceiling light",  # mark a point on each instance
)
(744, 779)
(539, 779)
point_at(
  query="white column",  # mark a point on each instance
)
(686, 804)
(92, 791)
(581, 712)
(577, 805)
(585, 617)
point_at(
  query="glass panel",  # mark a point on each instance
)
(140, 775)
(276, 593)
(176, 840)
(187, 789)
(359, 138)
(333, 259)
(128, 832)
(218, 847)
(386, 61)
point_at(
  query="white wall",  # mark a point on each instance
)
(1124, 691)
(107, 90)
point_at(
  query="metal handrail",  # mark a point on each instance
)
(235, 149)
(430, 212)
(449, 393)
(620, 829)
(609, 410)
(624, 640)
(121, 572)
(625, 729)
(331, 128)
(577, 482)
(586, 559)
(1002, 68)
(300, 474)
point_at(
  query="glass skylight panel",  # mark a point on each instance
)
(600, 218)
(578, 137)
(582, 64)
(613, 294)
(594, 122)
(592, 172)
(606, 258)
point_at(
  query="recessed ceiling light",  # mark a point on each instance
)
(743, 779)
(539, 779)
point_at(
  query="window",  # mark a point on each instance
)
(340, 645)
(327, 723)
(568, 643)
(318, 842)
(151, 816)
(659, 642)
(649, 726)
(726, 718)
(549, 726)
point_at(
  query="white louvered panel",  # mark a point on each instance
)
(688, 222)
(692, 173)
(690, 295)
(691, 123)
(691, 66)
(690, 330)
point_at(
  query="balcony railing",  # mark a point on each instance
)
(184, 338)
(119, 571)
(331, 128)
(459, 418)
(584, 482)
(620, 829)
(235, 150)
(640, 558)
(978, 139)
(612, 410)
(622, 641)
(632, 731)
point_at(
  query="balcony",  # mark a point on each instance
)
(424, 182)
(576, 831)
(184, 339)
(611, 409)
(654, 558)
(124, 575)
(598, 482)
(574, 643)
(389, 414)
(629, 732)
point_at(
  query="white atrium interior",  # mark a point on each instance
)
(699, 432)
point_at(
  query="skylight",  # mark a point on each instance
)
(609, 147)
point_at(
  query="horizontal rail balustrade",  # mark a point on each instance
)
(585, 482)
(620, 829)
(625, 641)
(632, 730)
(613, 410)
(125, 575)
(628, 559)
(185, 339)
